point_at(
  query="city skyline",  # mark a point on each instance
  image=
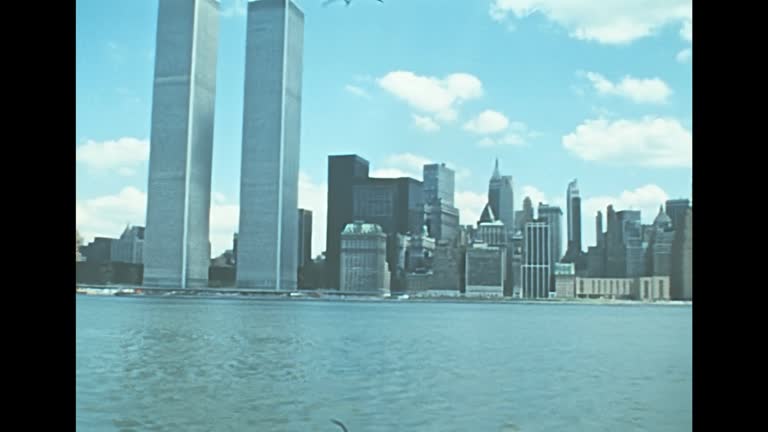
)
(374, 118)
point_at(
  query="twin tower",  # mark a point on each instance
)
(177, 247)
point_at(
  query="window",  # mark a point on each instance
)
(645, 291)
(581, 287)
(661, 289)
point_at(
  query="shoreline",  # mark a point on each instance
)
(130, 292)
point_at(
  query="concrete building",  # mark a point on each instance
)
(485, 271)
(651, 288)
(344, 171)
(676, 210)
(565, 280)
(364, 259)
(514, 287)
(682, 260)
(442, 221)
(537, 266)
(177, 251)
(419, 282)
(525, 215)
(129, 248)
(269, 182)
(615, 288)
(501, 198)
(448, 267)
(419, 253)
(659, 251)
(305, 237)
(99, 250)
(632, 240)
(492, 233)
(553, 215)
(599, 233)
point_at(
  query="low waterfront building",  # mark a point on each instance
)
(364, 259)
(485, 270)
(565, 280)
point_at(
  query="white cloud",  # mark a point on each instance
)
(218, 197)
(126, 172)
(470, 205)
(651, 141)
(410, 160)
(121, 155)
(510, 139)
(687, 31)
(487, 122)
(237, 8)
(107, 216)
(357, 91)
(412, 165)
(614, 22)
(684, 56)
(439, 97)
(425, 123)
(652, 90)
(393, 173)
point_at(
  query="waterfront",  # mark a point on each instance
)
(232, 364)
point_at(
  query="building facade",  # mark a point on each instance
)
(448, 267)
(682, 260)
(573, 219)
(485, 271)
(177, 250)
(501, 198)
(344, 171)
(565, 280)
(305, 237)
(537, 267)
(553, 216)
(439, 181)
(268, 234)
(129, 248)
(676, 210)
(364, 259)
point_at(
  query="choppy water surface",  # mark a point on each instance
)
(246, 365)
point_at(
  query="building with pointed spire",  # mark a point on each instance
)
(659, 252)
(501, 198)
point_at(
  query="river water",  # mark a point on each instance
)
(170, 364)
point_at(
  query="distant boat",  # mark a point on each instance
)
(403, 297)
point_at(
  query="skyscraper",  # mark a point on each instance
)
(305, 237)
(442, 217)
(553, 215)
(344, 171)
(177, 250)
(525, 215)
(501, 198)
(599, 234)
(269, 183)
(574, 220)
(536, 267)
(676, 209)
(438, 184)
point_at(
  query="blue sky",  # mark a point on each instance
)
(556, 89)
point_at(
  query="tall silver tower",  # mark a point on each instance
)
(269, 184)
(177, 250)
